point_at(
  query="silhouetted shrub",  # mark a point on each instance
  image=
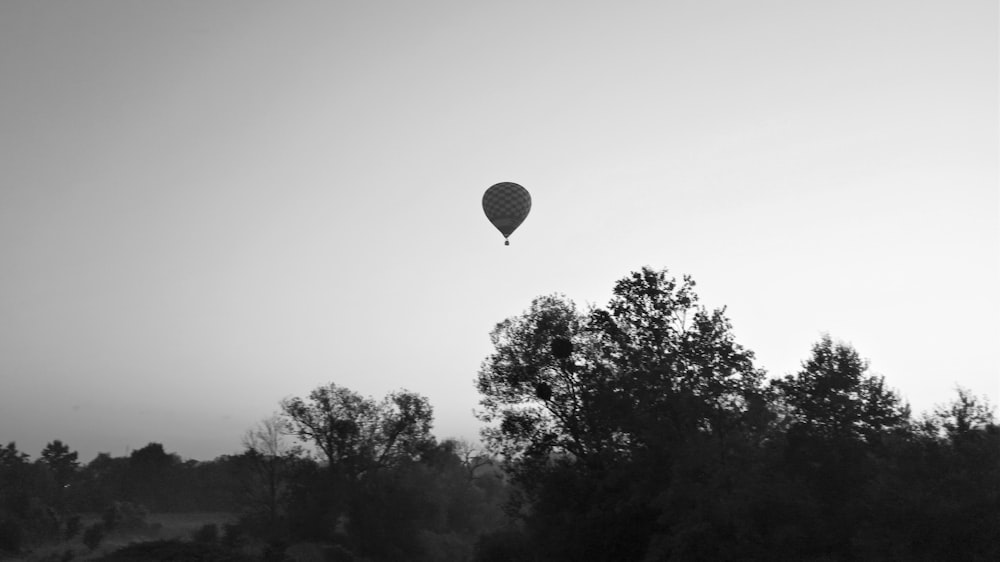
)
(258, 526)
(40, 523)
(208, 533)
(232, 534)
(125, 517)
(11, 535)
(93, 535)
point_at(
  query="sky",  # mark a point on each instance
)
(207, 207)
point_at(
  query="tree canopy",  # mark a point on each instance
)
(357, 434)
(643, 431)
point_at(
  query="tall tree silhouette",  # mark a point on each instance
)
(835, 397)
(270, 459)
(63, 465)
(837, 417)
(600, 415)
(150, 477)
(61, 461)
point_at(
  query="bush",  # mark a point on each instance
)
(125, 517)
(72, 527)
(11, 535)
(93, 536)
(208, 533)
(232, 535)
(40, 523)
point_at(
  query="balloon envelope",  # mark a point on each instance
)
(506, 205)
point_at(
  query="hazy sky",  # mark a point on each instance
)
(208, 206)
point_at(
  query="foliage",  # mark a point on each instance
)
(11, 534)
(73, 525)
(161, 482)
(61, 461)
(208, 533)
(650, 370)
(267, 465)
(16, 475)
(963, 416)
(636, 431)
(642, 431)
(833, 397)
(93, 535)
(936, 491)
(32, 501)
(430, 509)
(358, 435)
(125, 517)
(151, 477)
(422, 509)
(593, 436)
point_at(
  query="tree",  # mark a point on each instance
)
(151, 477)
(11, 458)
(271, 459)
(963, 415)
(356, 434)
(602, 416)
(103, 480)
(937, 491)
(834, 396)
(423, 510)
(652, 369)
(61, 461)
(476, 462)
(837, 419)
(16, 477)
(361, 439)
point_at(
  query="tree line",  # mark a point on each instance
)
(643, 431)
(636, 431)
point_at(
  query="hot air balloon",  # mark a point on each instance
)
(506, 205)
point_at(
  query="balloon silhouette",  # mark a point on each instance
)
(506, 205)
